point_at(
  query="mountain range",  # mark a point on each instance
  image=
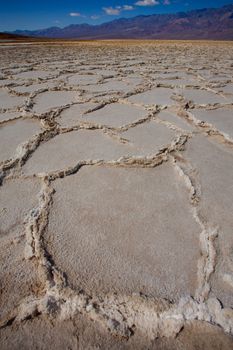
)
(207, 23)
(8, 36)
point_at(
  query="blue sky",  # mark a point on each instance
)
(35, 14)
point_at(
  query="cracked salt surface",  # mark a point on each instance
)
(116, 196)
(113, 86)
(108, 229)
(8, 101)
(202, 97)
(116, 115)
(227, 89)
(73, 147)
(16, 275)
(34, 74)
(53, 99)
(8, 115)
(78, 79)
(73, 115)
(14, 134)
(149, 138)
(173, 119)
(34, 87)
(159, 96)
(215, 169)
(220, 118)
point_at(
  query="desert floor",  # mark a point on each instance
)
(116, 196)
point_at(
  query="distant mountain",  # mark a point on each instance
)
(212, 23)
(8, 36)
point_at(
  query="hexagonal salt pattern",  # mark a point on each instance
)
(116, 195)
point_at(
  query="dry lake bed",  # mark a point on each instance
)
(116, 195)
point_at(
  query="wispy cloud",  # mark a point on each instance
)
(95, 17)
(75, 14)
(114, 11)
(147, 3)
(127, 7)
(111, 11)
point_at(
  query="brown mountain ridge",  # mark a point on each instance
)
(211, 23)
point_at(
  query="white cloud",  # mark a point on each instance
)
(75, 14)
(127, 8)
(147, 3)
(114, 11)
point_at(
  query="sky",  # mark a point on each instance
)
(38, 14)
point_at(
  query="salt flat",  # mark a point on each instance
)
(116, 115)
(116, 195)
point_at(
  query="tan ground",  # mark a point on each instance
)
(116, 195)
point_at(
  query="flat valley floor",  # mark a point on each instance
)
(116, 195)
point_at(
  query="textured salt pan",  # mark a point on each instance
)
(83, 333)
(202, 97)
(227, 89)
(172, 118)
(179, 82)
(157, 96)
(34, 87)
(136, 240)
(154, 224)
(114, 86)
(17, 197)
(8, 116)
(9, 101)
(14, 134)
(74, 147)
(116, 115)
(220, 118)
(149, 138)
(74, 114)
(215, 168)
(78, 79)
(6, 82)
(54, 99)
(34, 74)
